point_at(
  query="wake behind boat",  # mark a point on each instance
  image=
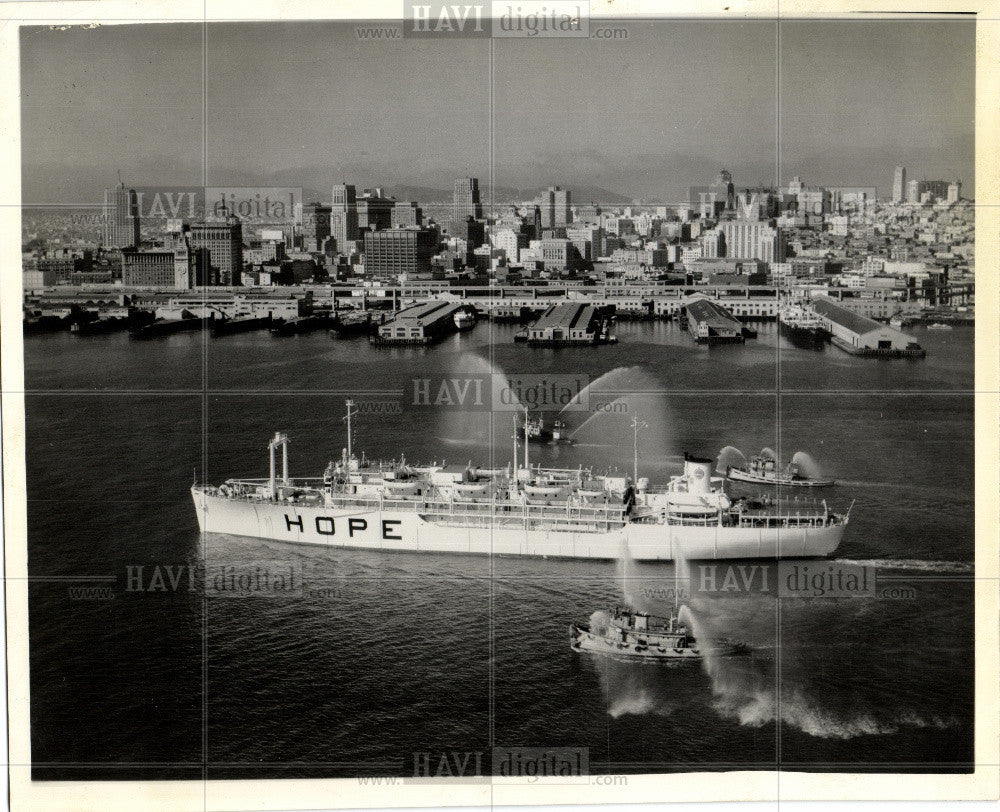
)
(524, 510)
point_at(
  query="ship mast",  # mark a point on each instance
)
(350, 405)
(636, 425)
(514, 418)
(527, 465)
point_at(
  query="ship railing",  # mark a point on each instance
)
(501, 510)
(785, 520)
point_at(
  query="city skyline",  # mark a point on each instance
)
(666, 118)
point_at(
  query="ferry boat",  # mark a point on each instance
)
(632, 634)
(522, 510)
(764, 470)
(802, 326)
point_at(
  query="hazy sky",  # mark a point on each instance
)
(307, 103)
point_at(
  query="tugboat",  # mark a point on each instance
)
(764, 469)
(537, 432)
(633, 634)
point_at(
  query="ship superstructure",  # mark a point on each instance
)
(523, 509)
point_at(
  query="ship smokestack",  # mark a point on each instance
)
(698, 472)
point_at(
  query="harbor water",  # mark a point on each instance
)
(375, 657)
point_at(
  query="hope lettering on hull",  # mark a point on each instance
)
(327, 526)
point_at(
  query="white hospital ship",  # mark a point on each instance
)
(522, 510)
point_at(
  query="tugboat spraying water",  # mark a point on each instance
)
(627, 633)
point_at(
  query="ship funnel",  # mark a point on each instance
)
(698, 472)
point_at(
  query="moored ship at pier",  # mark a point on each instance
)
(523, 510)
(802, 326)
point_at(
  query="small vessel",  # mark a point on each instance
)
(632, 634)
(938, 326)
(537, 432)
(764, 469)
(465, 319)
(802, 326)
(240, 324)
(351, 323)
(301, 324)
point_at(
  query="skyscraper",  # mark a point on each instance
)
(954, 191)
(222, 243)
(562, 213)
(315, 226)
(344, 215)
(465, 202)
(899, 185)
(121, 218)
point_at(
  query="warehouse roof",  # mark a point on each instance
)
(707, 311)
(565, 316)
(848, 319)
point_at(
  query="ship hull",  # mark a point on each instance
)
(408, 531)
(803, 336)
(740, 475)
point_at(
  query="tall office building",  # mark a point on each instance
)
(563, 213)
(375, 210)
(222, 244)
(913, 191)
(344, 215)
(315, 226)
(752, 239)
(554, 206)
(954, 191)
(121, 218)
(899, 185)
(394, 251)
(406, 213)
(465, 202)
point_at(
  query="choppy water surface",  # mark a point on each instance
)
(384, 655)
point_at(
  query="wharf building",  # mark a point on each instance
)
(121, 218)
(711, 323)
(421, 323)
(571, 323)
(859, 335)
